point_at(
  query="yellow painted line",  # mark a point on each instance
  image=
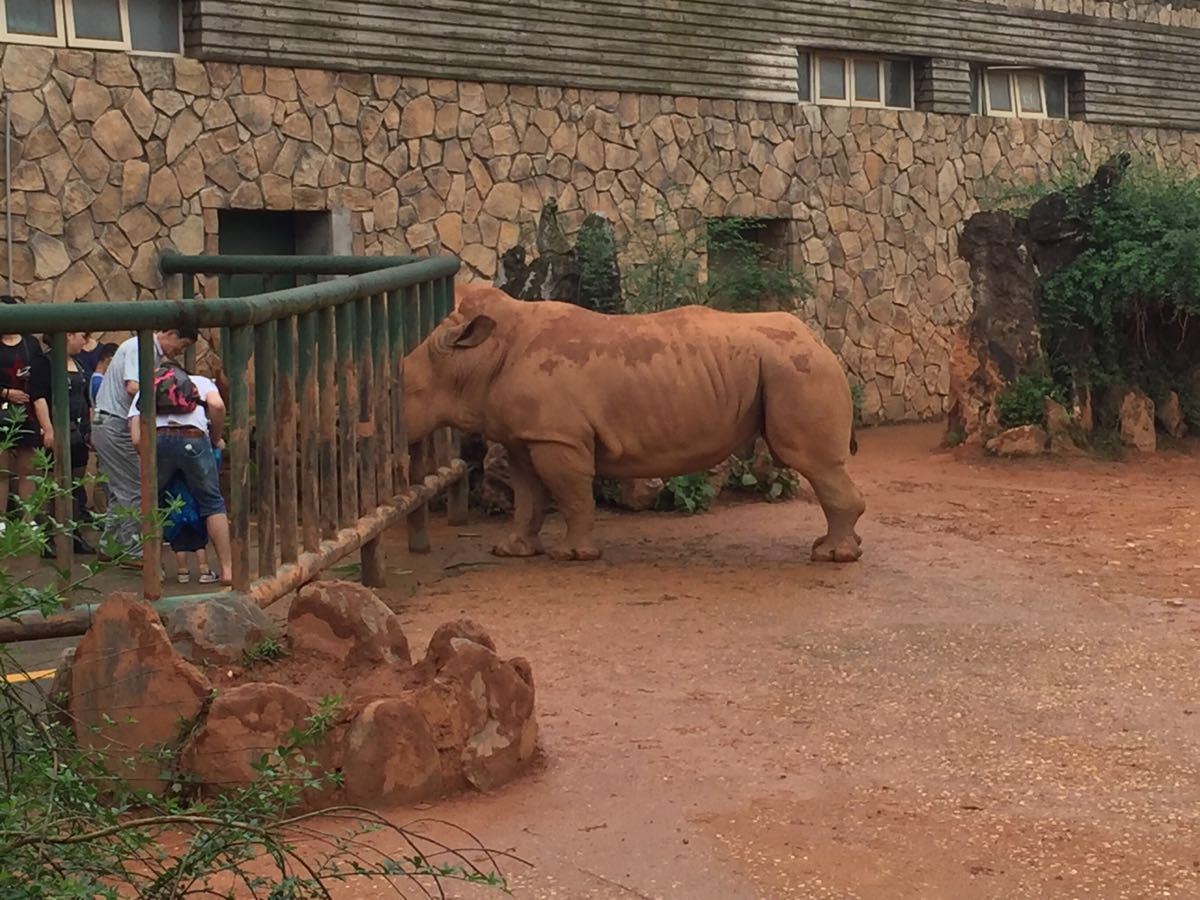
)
(22, 677)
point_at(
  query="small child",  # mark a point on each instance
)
(185, 531)
(104, 356)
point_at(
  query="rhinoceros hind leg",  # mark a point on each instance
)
(843, 505)
(568, 472)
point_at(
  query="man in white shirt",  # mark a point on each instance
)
(185, 445)
(117, 457)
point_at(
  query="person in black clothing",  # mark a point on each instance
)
(17, 418)
(80, 417)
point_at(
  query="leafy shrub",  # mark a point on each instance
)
(1122, 312)
(741, 274)
(661, 265)
(774, 483)
(857, 396)
(688, 493)
(1024, 402)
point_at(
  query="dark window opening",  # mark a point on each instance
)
(749, 264)
(269, 232)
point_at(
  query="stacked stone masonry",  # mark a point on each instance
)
(116, 158)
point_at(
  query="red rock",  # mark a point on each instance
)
(1027, 440)
(218, 631)
(1170, 415)
(495, 753)
(243, 725)
(346, 621)
(1137, 422)
(390, 756)
(639, 494)
(441, 651)
(132, 696)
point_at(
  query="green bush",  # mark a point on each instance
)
(1121, 313)
(775, 484)
(741, 274)
(1024, 402)
(688, 493)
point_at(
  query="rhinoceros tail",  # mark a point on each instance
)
(853, 442)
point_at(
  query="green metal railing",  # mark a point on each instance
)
(331, 462)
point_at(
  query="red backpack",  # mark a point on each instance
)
(174, 391)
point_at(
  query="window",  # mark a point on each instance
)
(1011, 91)
(845, 80)
(141, 26)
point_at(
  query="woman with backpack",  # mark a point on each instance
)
(190, 421)
(19, 433)
(79, 417)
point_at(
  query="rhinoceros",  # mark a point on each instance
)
(573, 394)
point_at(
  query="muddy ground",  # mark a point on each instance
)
(1002, 700)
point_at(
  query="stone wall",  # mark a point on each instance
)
(1176, 13)
(117, 158)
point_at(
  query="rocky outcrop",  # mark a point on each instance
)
(1169, 413)
(461, 717)
(133, 698)
(1136, 412)
(345, 621)
(1026, 440)
(218, 631)
(1001, 339)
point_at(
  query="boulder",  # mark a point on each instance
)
(639, 494)
(495, 753)
(390, 756)
(1026, 440)
(347, 622)
(1170, 415)
(132, 697)
(1001, 338)
(1136, 421)
(441, 649)
(219, 630)
(1066, 438)
(242, 726)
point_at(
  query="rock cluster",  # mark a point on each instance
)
(406, 732)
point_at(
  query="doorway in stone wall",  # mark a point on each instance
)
(269, 232)
(749, 263)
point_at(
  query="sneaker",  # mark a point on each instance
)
(209, 577)
(186, 577)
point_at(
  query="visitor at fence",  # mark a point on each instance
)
(79, 417)
(190, 421)
(104, 356)
(116, 453)
(18, 424)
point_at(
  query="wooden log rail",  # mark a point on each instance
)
(331, 469)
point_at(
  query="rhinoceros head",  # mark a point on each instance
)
(446, 378)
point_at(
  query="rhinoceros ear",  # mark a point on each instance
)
(473, 333)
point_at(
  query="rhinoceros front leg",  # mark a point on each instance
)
(568, 472)
(529, 507)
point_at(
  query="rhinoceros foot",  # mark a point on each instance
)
(519, 547)
(845, 551)
(575, 554)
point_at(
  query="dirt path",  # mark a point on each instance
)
(1002, 700)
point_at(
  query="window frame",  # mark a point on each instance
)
(58, 39)
(1018, 111)
(64, 12)
(850, 78)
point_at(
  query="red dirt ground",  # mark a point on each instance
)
(1001, 700)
